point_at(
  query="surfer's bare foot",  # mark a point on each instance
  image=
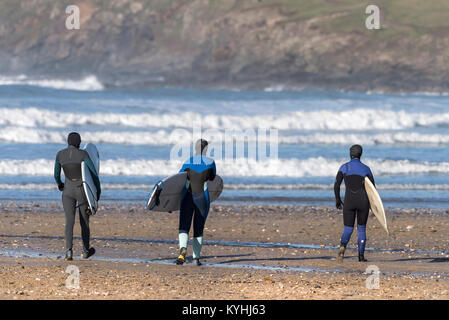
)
(341, 254)
(182, 256)
(362, 258)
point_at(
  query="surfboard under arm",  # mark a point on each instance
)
(376, 204)
(89, 187)
(171, 189)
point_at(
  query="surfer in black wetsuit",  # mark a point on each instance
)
(69, 159)
(195, 201)
(356, 202)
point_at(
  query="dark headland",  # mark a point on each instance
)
(250, 44)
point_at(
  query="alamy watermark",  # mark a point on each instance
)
(372, 22)
(228, 145)
(72, 22)
(73, 280)
(373, 281)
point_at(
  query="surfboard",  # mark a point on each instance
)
(169, 191)
(376, 203)
(89, 188)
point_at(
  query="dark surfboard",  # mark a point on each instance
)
(169, 191)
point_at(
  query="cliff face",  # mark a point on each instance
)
(231, 43)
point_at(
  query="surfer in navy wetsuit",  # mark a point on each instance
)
(195, 201)
(356, 202)
(69, 159)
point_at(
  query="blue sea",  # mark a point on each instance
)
(137, 131)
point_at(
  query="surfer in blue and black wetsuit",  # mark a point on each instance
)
(195, 201)
(356, 200)
(69, 159)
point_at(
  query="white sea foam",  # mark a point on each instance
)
(385, 138)
(52, 186)
(357, 119)
(39, 136)
(17, 134)
(311, 186)
(235, 186)
(278, 88)
(312, 167)
(89, 83)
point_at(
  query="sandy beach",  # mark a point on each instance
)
(121, 101)
(250, 252)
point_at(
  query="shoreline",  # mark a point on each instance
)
(55, 205)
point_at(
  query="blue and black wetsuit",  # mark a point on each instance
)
(356, 203)
(195, 202)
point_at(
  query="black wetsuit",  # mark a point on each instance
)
(73, 196)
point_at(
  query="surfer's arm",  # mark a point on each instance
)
(337, 184)
(57, 172)
(92, 170)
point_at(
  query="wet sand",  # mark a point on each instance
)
(250, 252)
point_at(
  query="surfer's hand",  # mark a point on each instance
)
(339, 204)
(61, 186)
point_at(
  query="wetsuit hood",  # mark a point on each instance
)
(74, 139)
(201, 147)
(355, 151)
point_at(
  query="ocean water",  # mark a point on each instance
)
(405, 139)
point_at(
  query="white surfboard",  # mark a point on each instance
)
(170, 192)
(88, 182)
(376, 203)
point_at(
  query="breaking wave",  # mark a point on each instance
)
(170, 137)
(357, 120)
(242, 167)
(89, 83)
(233, 186)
